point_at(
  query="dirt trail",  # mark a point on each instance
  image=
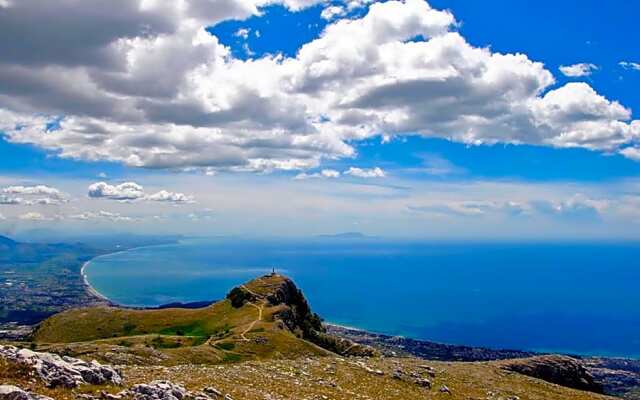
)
(251, 325)
(260, 307)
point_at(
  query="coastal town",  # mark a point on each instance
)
(38, 280)
(33, 288)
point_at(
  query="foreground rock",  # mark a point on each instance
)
(57, 371)
(9, 392)
(161, 390)
(561, 370)
(156, 390)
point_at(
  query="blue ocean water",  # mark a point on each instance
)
(581, 298)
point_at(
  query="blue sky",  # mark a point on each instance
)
(200, 123)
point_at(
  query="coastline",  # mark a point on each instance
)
(90, 289)
(93, 292)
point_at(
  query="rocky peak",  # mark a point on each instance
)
(295, 313)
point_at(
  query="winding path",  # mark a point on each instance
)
(260, 307)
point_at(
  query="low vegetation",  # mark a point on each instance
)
(264, 342)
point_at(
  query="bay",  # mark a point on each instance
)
(580, 298)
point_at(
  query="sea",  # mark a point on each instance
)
(575, 298)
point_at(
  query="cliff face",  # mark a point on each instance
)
(561, 370)
(295, 313)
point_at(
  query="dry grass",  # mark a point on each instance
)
(250, 358)
(347, 379)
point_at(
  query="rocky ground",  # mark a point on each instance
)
(31, 375)
(264, 343)
(617, 376)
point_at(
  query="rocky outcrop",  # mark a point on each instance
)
(619, 377)
(9, 392)
(162, 390)
(342, 346)
(239, 296)
(159, 390)
(561, 370)
(57, 371)
(299, 318)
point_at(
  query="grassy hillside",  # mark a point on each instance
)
(331, 378)
(254, 328)
(256, 344)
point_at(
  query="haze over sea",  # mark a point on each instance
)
(578, 298)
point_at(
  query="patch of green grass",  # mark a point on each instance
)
(128, 328)
(196, 328)
(226, 345)
(256, 330)
(198, 340)
(231, 358)
(161, 343)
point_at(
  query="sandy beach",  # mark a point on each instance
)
(90, 289)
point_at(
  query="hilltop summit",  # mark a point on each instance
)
(268, 316)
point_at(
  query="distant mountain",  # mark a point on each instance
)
(345, 235)
(6, 243)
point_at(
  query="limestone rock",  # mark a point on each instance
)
(561, 370)
(162, 390)
(58, 371)
(9, 392)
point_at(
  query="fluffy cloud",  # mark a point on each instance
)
(33, 216)
(353, 171)
(631, 152)
(170, 197)
(578, 70)
(365, 173)
(101, 215)
(325, 173)
(39, 190)
(581, 204)
(2, 217)
(131, 191)
(629, 65)
(124, 192)
(10, 200)
(331, 12)
(142, 83)
(32, 195)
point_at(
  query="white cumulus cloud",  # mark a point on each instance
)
(632, 153)
(365, 173)
(325, 173)
(578, 70)
(124, 192)
(144, 84)
(32, 195)
(170, 197)
(131, 191)
(630, 65)
(331, 12)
